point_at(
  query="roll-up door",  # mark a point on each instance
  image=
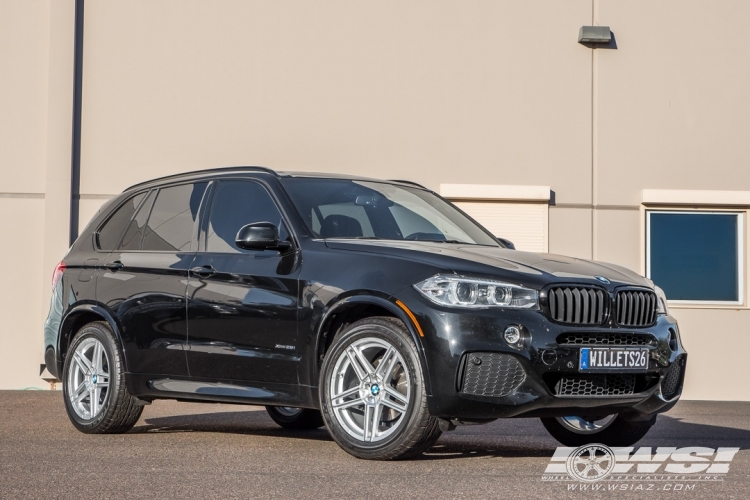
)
(516, 213)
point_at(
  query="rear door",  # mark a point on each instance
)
(242, 304)
(144, 281)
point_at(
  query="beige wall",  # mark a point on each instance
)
(436, 91)
(34, 38)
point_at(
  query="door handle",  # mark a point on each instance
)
(203, 271)
(114, 266)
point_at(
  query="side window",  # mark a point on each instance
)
(696, 256)
(172, 221)
(236, 204)
(109, 235)
(134, 233)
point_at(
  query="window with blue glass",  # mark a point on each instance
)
(695, 256)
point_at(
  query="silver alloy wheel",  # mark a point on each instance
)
(88, 379)
(369, 389)
(580, 425)
(288, 411)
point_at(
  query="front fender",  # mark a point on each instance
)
(383, 302)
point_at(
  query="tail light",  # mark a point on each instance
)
(57, 275)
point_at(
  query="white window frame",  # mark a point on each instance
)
(740, 254)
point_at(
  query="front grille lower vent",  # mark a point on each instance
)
(576, 339)
(491, 374)
(635, 308)
(671, 382)
(596, 385)
(578, 305)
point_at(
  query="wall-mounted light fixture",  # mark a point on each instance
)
(594, 34)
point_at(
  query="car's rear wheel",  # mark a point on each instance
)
(295, 418)
(372, 392)
(611, 430)
(96, 398)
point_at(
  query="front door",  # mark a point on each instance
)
(242, 304)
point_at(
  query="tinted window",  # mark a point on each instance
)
(342, 208)
(171, 224)
(134, 233)
(109, 234)
(348, 210)
(236, 204)
(694, 256)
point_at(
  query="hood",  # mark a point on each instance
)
(521, 267)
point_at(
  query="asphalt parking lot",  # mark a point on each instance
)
(184, 450)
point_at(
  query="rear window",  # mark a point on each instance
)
(109, 235)
(134, 234)
(172, 222)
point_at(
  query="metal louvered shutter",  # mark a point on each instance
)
(525, 224)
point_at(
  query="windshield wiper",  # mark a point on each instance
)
(352, 238)
(448, 241)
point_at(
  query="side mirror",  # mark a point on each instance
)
(507, 243)
(260, 236)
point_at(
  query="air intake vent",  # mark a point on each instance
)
(584, 338)
(635, 308)
(596, 385)
(671, 383)
(491, 374)
(578, 305)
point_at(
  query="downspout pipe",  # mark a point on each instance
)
(75, 160)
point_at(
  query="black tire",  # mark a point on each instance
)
(295, 418)
(619, 433)
(119, 410)
(416, 430)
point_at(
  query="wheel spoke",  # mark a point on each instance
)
(349, 392)
(375, 424)
(386, 362)
(361, 375)
(97, 359)
(93, 402)
(82, 361)
(394, 404)
(78, 394)
(348, 404)
(397, 395)
(599, 469)
(366, 365)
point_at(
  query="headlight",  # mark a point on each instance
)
(457, 291)
(661, 297)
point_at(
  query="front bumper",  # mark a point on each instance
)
(452, 338)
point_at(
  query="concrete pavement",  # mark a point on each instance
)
(184, 450)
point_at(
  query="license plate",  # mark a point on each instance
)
(612, 359)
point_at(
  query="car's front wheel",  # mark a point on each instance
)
(612, 430)
(96, 398)
(372, 392)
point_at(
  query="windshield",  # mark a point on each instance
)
(342, 208)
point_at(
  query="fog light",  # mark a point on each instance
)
(517, 336)
(512, 334)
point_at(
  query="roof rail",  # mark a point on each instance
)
(205, 171)
(408, 182)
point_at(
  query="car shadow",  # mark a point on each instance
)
(668, 432)
(256, 423)
(512, 438)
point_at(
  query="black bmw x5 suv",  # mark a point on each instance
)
(375, 308)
